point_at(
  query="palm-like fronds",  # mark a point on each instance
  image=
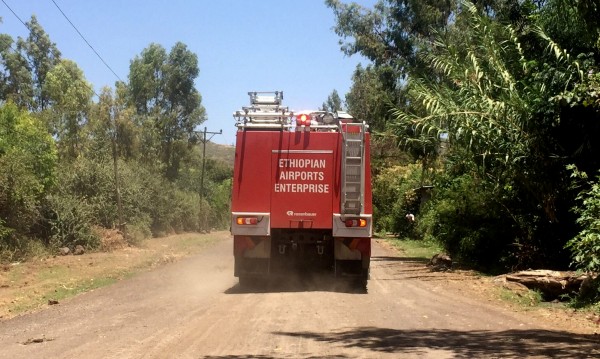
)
(480, 91)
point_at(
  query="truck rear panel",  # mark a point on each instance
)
(292, 188)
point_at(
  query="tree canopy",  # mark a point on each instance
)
(73, 160)
(161, 88)
(503, 94)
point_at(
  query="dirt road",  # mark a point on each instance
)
(195, 309)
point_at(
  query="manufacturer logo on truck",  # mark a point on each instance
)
(301, 214)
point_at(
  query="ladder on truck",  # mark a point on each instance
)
(353, 168)
(265, 112)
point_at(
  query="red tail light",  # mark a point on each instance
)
(242, 221)
(359, 222)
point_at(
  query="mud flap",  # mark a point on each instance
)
(352, 258)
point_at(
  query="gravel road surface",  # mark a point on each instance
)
(194, 308)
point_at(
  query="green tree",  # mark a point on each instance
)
(100, 126)
(503, 110)
(389, 33)
(333, 103)
(27, 172)
(42, 55)
(69, 95)
(368, 99)
(16, 82)
(161, 87)
(111, 119)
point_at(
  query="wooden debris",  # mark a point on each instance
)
(440, 262)
(552, 284)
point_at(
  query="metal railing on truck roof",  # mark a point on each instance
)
(267, 113)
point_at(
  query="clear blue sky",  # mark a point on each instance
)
(242, 45)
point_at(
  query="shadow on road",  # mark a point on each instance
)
(464, 344)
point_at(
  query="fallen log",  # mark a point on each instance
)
(552, 284)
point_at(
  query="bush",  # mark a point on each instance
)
(27, 172)
(467, 219)
(219, 200)
(585, 246)
(138, 229)
(394, 196)
(186, 216)
(92, 181)
(21, 248)
(148, 200)
(70, 222)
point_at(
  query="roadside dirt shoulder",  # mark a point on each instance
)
(38, 283)
(489, 289)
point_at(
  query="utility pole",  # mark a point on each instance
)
(113, 140)
(204, 139)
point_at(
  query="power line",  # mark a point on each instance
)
(14, 13)
(25, 58)
(26, 26)
(84, 39)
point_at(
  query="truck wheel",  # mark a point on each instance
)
(361, 285)
(361, 282)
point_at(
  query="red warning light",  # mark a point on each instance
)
(303, 120)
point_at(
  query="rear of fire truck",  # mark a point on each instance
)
(301, 195)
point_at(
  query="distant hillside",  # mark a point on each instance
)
(219, 152)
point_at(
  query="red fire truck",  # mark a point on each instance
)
(301, 196)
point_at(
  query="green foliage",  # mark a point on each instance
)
(131, 147)
(138, 229)
(27, 172)
(465, 217)
(220, 200)
(161, 88)
(69, 95)
(15, 76)
(574, 25)
(480, 103)
(369, 98)
(70, 220)
(333, 103)
(586, 244)
(508, 130)
(588, 296)
(388, 33)
(93, 182)
(396, 194)
(43, 55)
(215, 211)
(150, 202)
